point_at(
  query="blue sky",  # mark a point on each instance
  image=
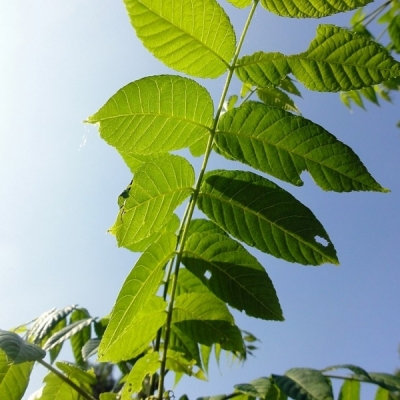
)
(59, 185)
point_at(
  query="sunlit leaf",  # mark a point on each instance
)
(240, 3)
(18, 350)
(350, 390)
(394, 32)
(158, 188)
(206, 319)
(304, 384)
(261, 214)
(190, 36)
(138, 289)
(14, 379)
(284, 145)
(275, 97)
(288, 86)
(339, 59)
(154, 115)
(262, 69)
(236, 276)
(311, 9)
(177, 362)
(382, 394)
(147, 365)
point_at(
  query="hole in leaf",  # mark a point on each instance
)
(321, 240)
(207, 274)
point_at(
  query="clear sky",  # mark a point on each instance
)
(60, 61)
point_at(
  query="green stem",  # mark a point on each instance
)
(190, 209)
(67, 380)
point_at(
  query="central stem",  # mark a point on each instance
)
(191, 206)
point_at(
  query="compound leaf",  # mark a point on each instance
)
(261, 214)
(190, 36)
(154, 115)
(339, 59)
(158, 187)
(283, 145)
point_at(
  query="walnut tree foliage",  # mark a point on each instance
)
(173, 310)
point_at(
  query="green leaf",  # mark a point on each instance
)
(370, 94)
(82, 337)
(134, 161)
(154, 115)
(311, 9)
(240, 3)
(67, 332)
(236, 276)
(190, 36)
(256, 388)
(353, 368)
(382, 394)
(304, 384)
(283, 145)
(275, 97)
(14, 379)
(170, 227)
(350, 390)
(90, 348)
(288, 86)
(46, 322)
(339, 59)
(54, 351)
(206, 319)
(177, 362)
(262, 69)
(138, 289)
(109, 396)
(18, 350)
(158, 188)
(394, 32)
(147, 365)
(263, 215)
(352, 96)
(57, 389)
(387, 381)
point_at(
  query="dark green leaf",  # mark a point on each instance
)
(275, 97)
(353, 368)
(263, 215)
(190, 36)
(79, 339)
(18, 350)
(394, 32)
(90, 348)
(236, 276)
(304, 384)
(283, 145)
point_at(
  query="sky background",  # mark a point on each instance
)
(60, 61)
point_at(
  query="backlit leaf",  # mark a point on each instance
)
(138, 289)
(154, 115)
(262, 69)
(350, 390)
(339, 59)
(147, 365)
(236, 276)
(240, 3)
(206, 319)
(14, 379)
(277, 98)
(265, 216)
(311, 9)
(190, 36)
(158, 188)
(304, 384)
(18, 350)
(284, 145)
(382, 394)
(79, 339)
